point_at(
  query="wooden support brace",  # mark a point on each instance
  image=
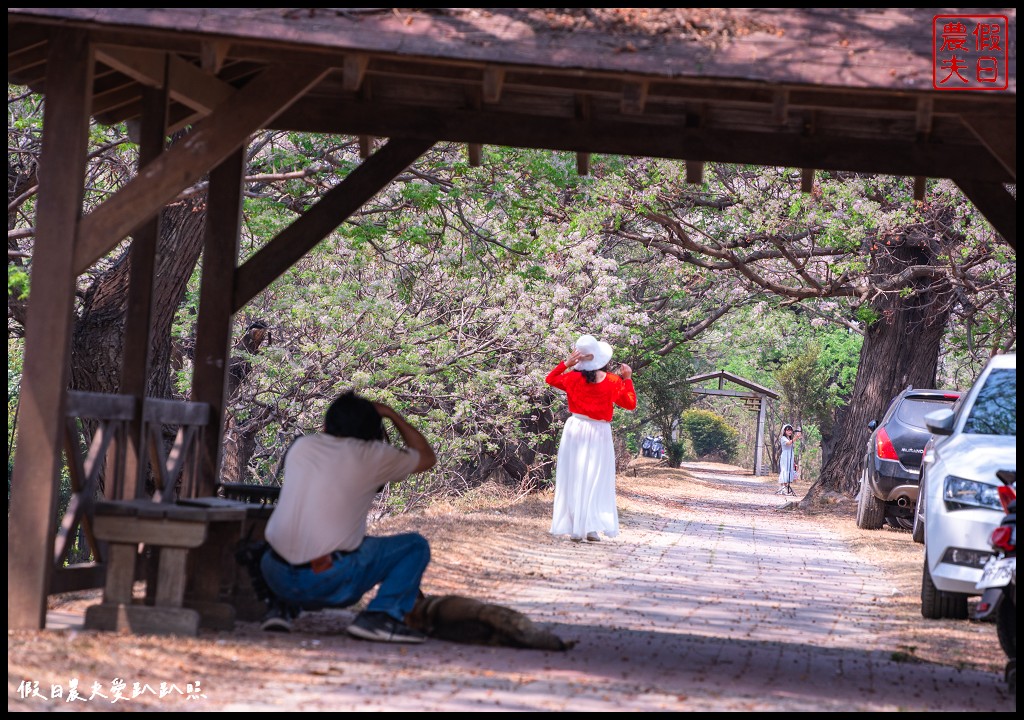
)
(634, 97)
(780, 106)
(493, 82)
(582, 107)
(807, 180)
(354, 71)
(920, 186)
(365, 146)
(923, 121)
(582, 163)
(694, 172)
(212, 54)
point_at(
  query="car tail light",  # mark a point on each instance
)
(1003, 539)
(1006, 496)
(883, 446)
(951, 396)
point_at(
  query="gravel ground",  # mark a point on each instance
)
(717, 596)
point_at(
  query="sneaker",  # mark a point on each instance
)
(276, 620)
(593, 537)
(383, 628)
(576, 538)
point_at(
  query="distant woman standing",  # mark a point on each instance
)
(585, 470)
(787, 464)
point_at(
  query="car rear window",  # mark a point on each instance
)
(995, 409)
(912, 410)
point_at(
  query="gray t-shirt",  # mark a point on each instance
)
(329, 485)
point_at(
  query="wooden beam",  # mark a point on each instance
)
(780, 106)
(142, 66)
(807, 180)
(35, 483)
(493, 82)
(631, 137)
(999, 135)
(138, 313)
(582, 164)
(997, 205)
(726, 393)
(213, 324)
(333, 208)
(634, 97)
(354, 70)
(188, 84)
(925, 115)
(213, 139)
(212, 54)
(365, 146)
(475, 153)
(694, 172)
(582, 106)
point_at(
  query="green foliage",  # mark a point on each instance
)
(676, 452)
(867, 315)
(807, 388)
(663, 393)
(455, 289)
(710, 435)
(17, 282)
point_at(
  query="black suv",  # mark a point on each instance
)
(892, 464)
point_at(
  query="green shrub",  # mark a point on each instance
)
(710, 435)
(676, 451)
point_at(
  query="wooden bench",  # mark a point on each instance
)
(194, 541)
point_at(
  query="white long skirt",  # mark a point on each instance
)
(585, 480)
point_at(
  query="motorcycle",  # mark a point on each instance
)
(645, 446)
(658, 449)
(998, 584)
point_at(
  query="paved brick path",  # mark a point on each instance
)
(706, 605)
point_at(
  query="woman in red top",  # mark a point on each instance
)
(585, 470)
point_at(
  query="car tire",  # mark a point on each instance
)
(870, 510)
(1006, 625)
(937, 604)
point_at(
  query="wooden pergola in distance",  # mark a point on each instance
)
(755, 397)
(838, 90)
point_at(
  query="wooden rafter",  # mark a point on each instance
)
(213, 139)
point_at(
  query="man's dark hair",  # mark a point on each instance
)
(351, 415)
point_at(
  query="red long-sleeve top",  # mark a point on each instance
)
(595, 400)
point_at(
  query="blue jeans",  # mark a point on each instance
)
(396, 562)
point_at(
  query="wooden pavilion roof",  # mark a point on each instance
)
(723, 376)
(845, 89)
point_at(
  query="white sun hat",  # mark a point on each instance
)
(590, 345)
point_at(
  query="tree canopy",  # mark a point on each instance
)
(453, 292)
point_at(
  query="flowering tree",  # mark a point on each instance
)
(453, 292)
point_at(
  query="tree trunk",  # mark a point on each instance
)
(901, 348)
(97, 345)
(98, 340)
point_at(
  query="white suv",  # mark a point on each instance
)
(958, 504)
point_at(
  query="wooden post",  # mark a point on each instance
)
(138, 316)
(31, 527)
(213, 324)
(582, 164)
(759, 442)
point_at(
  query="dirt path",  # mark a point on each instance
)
(713, 598)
